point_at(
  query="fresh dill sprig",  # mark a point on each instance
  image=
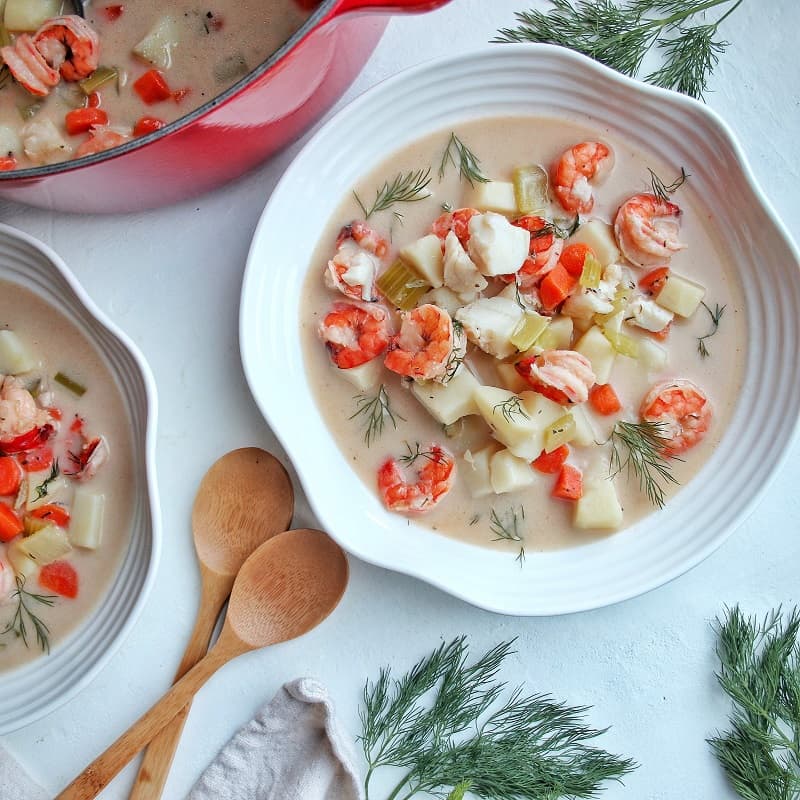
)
(662, 190)
(621, 34)
(760, 672)
(23, 615)
(561, 230)
(508, 528)
(446, 724)
(716, 317)
(457, 354)
(375, 410)
(416, 452)
(43, 488)
(638, 448)
(461, 157)
(406, 187)
(511, 408)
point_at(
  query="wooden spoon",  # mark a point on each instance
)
(244, 499)
(284, 589)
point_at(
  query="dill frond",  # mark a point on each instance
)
(406, 187)
(374, 411)
(24, 615)
(461, 157)
(716, 318)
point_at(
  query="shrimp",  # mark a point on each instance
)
(91, 456)
(433, 480)
(70, 45)
(646, 228)
(353, 268)
(571, 174)
(544, 253)
(29, 67)
(456, 221)
(355, 333)
(425, 348)
(101, 138)
(684, 410)
(563, 376)
(19, 414)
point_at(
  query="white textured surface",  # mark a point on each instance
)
(171, 279)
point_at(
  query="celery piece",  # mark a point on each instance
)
(67, 382)
(98, 78)
(402, 286)
(530, 188)
(528, 330)
(591, 273)
(621, 298)
(622, 343)
(34, 524)
(560, 432)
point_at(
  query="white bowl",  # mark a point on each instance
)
(527, 80)
(38, 687)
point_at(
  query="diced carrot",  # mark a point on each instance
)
(556, 286)
(59, 577)
(81, 120)
(94, 100)
(573, 257)
(152, 87)
(550, 463)
(604, 399)
(653, 282)
(112, 13)
(10, 524)
(147, 125)
(569, 484)
(7, 163)
(55, 412)
(663, 333)
(36, 460)
(10, 476)
(58, 515)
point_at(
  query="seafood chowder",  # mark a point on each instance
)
(523, 332)
(71, 87)
(65, 477)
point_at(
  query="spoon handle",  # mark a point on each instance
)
(103, 769)
(154, 769)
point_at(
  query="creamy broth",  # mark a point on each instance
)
(215, 45)
(502, 144)
(60, 347)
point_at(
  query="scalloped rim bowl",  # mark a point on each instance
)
(527, 80)
(33, 690)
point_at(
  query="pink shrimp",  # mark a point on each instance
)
(88, 459)
(101, 138)
(70, 45)
(29, 67)
(577, 167)
(646, 228)
(433, 480)
(684, 410)
(355, 333)
(353, 268)
(456, 221)
(19, 414)
(425, 344)
(545, 251)
(563, 376)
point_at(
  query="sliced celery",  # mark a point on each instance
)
(402, 286)
(560, 432)
(591, 273)
(622, 343)
(530, 188)
(68, 383)
(98, 78)
(528, 330)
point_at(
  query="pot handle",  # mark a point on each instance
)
(390, 6)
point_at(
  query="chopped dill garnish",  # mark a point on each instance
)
(375, 410)
(474, 520)
(562, 229)
(638, 447)
(508, 529)
(461, 157)
(663, 190)
(406, 187)
(716, 317)
(416, 452)
(511, 408)
(447, 207)
(23, 615)
(43, 488)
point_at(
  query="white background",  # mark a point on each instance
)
(171, 279)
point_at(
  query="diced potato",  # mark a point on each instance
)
(425, 255)
(9, 140)
(490, 323)
(156, 47)
(497, 196)
(584, 429)
(20, 562)
(596, 347)
(509, 418)
(44, 546)
(475, 471)
(599, 507)
(42, 490)
(509, 473)
(14, 356)
(680, 295)
(448, 402)
(558, 335)
(652, 356)
(495, 245)
(600, 237)
(28, 15)
(86, 522)
(510, 378)
(364, 377)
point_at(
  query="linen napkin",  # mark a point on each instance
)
(293, 749)
(15, 782)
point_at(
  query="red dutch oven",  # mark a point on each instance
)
(228, 135)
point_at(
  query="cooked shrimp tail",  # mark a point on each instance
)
(435, 473)
(574, 172)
